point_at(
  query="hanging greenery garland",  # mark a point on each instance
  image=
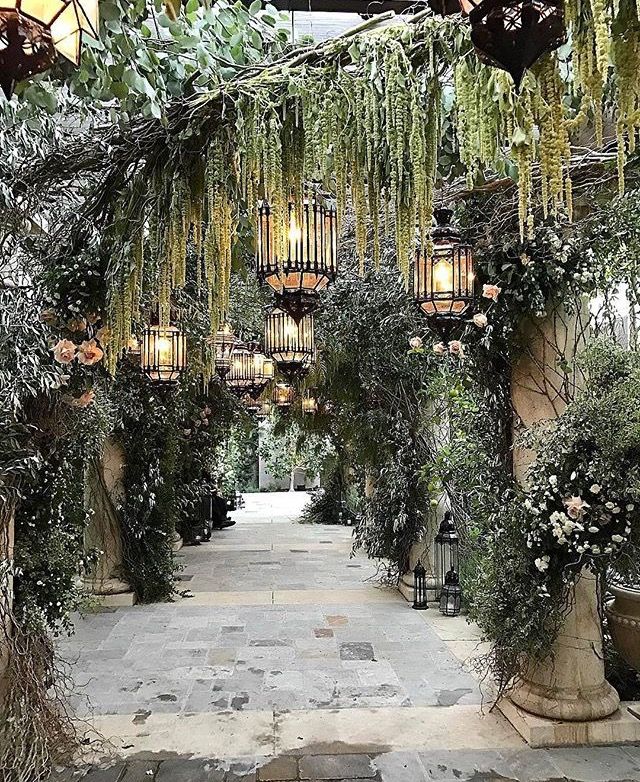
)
(363, 115)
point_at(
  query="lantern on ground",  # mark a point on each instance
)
(419, 587)
(446, 555)
(451, 594)
(443, 281)
(283, 395)
(34, 32)
(306, 261)
(291, 344)
(163, 355)
(514, 34)
(223, 342)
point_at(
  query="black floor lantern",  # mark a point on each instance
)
(451, 594)
(446, 552)
(419, 587)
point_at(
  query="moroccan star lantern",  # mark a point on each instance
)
(513, 34)
(163, 355)
(34, 32)
(443, 281)
(304, 261)
(291, 344)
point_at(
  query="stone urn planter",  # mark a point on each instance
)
(623, 614)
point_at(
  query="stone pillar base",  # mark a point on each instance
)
(572, 705)
(110, 592)
(621, 727)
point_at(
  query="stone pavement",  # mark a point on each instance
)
(287, 662)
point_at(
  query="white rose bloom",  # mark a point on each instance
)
(595, 488)
(617, 538)
(609, 506)
(630, 507)
(615, 510)
(542, 563)
(593, 530)
(553, 480)
(595, 549)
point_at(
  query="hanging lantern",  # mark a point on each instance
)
(290, 344)
(445, 551)
(420, 587)
(223, 342)
(443, 282)
(309, 402)
(514, 34)
(307, 260)
(261, 407)
(283, 395)
(163, 356)
(33, 32)
(250, 370)
(451, 594)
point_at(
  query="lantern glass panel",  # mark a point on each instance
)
(164, 353)
(283, 395)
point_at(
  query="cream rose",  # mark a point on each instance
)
(480, 320)
(64, 351)
(491, 291)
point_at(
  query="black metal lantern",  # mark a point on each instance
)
(33, 32)
(304, 260)
(260, 407)
(451, 594)
(250, 370)
(513, 34)
(419, 587)
(224, 342)
(290, 344)
(446, 553)
(443, 282)
(283, 394)
(163, 356)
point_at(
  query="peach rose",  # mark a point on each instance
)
(491, 291)
(415, 343)
(439, 348)
(89, 353)
(456, 348)
(64, 351)
(480, 320)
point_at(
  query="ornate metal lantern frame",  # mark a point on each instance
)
(451, 594)
(444, 281)
(163, 355)
(283, 395)
(224, 342)
(420, 602)
(33, 32)
(291, 344)
(300, 266)
(250, 370)
(446, 552)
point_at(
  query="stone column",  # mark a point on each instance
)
(570, 685)
(105, 491)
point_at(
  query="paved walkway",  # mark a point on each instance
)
(287, 662)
